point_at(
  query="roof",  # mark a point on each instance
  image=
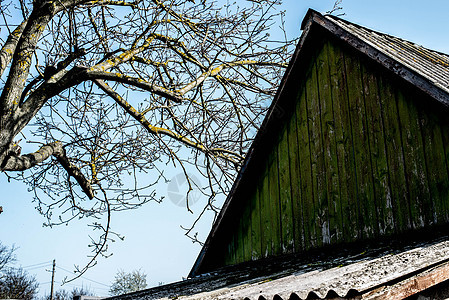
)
(430, 65)
(426, 69)
(378, 270)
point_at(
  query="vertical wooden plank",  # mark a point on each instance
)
(320, 212)
(227, 256)
(343, 135)
(395, 157)
(238, 241)
(230, 255)
(285, 196)
(329, 146)
(295, 181)
(435, 162)
(274, 204)
(246, 227)
(310, 234)
(265, 217)
(256, 243)
(444, 125)
(378, 152)
(365, 191)
(420, 202)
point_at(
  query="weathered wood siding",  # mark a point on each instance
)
(361, 156)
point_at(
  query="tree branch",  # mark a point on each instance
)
(75, 172)
(124, 57)
(22, 57)
(59, 82)
(10, 46)
(216, 71)
(137, 82)
(133, 4)
(164, 131)
(27, 161)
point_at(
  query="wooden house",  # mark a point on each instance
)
(355, 147)
(353, 152)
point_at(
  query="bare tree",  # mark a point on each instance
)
(7, 257)
(125, 283)
(59, 295)
(66, 295)
(15, 283)
(110, 93)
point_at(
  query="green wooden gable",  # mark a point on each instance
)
(355, 147)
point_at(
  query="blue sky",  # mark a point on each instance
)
(154, 241)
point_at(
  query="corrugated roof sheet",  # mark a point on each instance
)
(329, 276)
(431, 64)
(359, 277)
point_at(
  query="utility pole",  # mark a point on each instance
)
(52, 279)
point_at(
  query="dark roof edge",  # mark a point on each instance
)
(313, 17)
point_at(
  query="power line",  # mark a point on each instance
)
(39, 267)
(42, 263)
(107, 285)
(64, 269)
